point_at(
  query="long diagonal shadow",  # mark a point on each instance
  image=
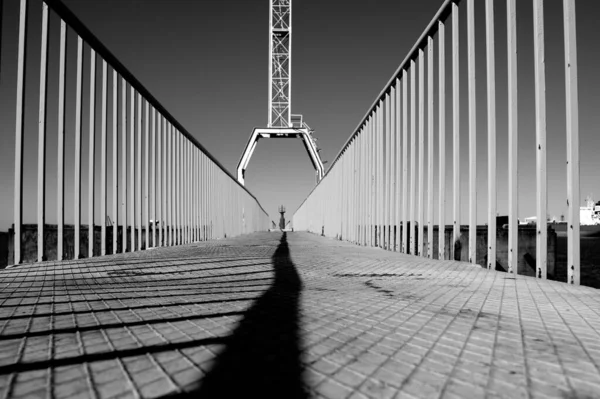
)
(262, 356)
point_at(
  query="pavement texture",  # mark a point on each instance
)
(292, 315)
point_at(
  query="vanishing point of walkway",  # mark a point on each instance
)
(296, 315)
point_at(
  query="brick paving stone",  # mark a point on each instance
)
(301, 316)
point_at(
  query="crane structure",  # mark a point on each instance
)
(281, 122)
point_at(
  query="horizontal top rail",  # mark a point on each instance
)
(75, 23)
(421, 42)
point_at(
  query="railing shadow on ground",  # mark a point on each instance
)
(262, 356)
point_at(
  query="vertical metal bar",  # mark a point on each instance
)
(161, 165)
(386, 174)
(171, 191)
(392, 179)
(413, 157)
(442, 139)
(421, 202)
(103, 160)
(146, 213)
(60, 178)
(186, 171)
(132, 167)
(513, 142)
(540, 117)
(195, 191)
(472, 132)
(168, 192)
(140, 209)
(177, 209)
(491, 119)
(124, 164)
(115, 158)
(92, 153)
(41, 200)
(373, 179)
(153, 180)
(399, 199)
(430, 215)
(572, 105)
(369, 165)
(455, 128)
(380, 170)
(362, 185)
(19, 130)
(405, 215)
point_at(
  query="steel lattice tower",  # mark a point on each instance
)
(281, 122)
(280, 65)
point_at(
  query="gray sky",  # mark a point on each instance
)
(207, 63)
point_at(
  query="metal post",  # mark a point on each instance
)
(386, 222)
(140, 210)
(399, 198)
(60, 180)
(572, 106)
(405, 215)
(491, 117)
(103, 160)
(161, 179)
(430, 215)
(41, 211)
(540, 118)
(380, 163)
(115, 156)
(132, 167)
(442, 140)
(146, 213)
(455, 128)
(392, 179)
(92, 153)
(421, 203)
(472, 132)
(124, 163)
(513, 141)
(153, 178)
(413, 157)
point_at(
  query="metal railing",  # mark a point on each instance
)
(166, 188)
(369, 195)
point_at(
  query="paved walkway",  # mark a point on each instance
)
(292, 316)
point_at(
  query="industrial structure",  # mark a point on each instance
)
(281, 122)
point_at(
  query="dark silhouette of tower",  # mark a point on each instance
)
(282, 218)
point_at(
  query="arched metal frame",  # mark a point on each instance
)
(287, 133)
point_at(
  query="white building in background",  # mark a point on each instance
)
(590, 213)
